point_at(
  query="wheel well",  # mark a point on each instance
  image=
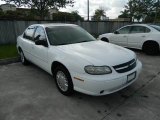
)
(19, 49)
(104, 39)
(56, 64)
(149, 42)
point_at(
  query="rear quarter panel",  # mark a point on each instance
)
(153, 37)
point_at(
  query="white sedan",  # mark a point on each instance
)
(140, 36)
(77, 60)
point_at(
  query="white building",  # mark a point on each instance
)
(7, 7)
(104, 18)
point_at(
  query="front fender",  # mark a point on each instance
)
(73, 63)
(107, 35)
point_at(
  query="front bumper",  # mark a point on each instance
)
(98, 85)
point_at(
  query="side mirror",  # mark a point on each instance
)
(41, 42)
(37, 37)
(116, 32)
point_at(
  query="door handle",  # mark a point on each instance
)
(124, 36)
(143, 36)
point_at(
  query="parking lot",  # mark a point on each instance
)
(29, 93)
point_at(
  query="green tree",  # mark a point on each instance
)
(64, 16)
(41, 6)
(124, 14)
(99, 13)
(157, 13)
(1, 13)
(139, 9)
(77, 16)
(133, 8)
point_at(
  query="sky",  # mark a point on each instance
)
(111, 7)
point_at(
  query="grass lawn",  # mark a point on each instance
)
(8, 51)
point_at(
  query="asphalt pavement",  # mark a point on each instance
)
(29, 93)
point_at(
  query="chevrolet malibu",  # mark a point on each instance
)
(140, 36)
(77, 61)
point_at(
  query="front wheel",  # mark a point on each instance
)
(63, 81)
(105, 39)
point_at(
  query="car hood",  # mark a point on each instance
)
(98, 53)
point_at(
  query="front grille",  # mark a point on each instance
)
(125, 67)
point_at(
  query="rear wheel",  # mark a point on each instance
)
(63, 80)
(151, 48)
(23, 59)
(105, 39)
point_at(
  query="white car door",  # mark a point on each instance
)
(137, 35)
(27, 42)
(120, 37)
(40, 52)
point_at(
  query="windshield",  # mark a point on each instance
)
(156, 27)
(63, 35)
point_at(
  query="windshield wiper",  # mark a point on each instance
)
(61, 44)
(84, 41)
(74, 43)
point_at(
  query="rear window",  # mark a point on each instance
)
(139, 29)
(155, 27)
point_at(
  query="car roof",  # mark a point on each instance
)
(53, 24)
(138, 25)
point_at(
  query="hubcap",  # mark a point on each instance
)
(62, 81)
(22, 57)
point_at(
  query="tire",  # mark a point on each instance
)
(23, 59)
(63, 80)
(105, 39)
(151, 48)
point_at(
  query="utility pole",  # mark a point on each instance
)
(88, 8)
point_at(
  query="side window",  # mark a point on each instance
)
(139, 29)
(125, 30)
(147, 30)
(39, 34)
(28, 34)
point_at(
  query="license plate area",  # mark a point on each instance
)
(131, 77)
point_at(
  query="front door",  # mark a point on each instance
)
(40, 52)
(120, 37)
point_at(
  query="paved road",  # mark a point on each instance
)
(29, 93)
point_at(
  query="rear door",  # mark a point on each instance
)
(137, 35)
(28, 41)
(121, 36)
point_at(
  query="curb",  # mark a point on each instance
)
(9, 60)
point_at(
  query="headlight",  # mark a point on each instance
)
(97, 70)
